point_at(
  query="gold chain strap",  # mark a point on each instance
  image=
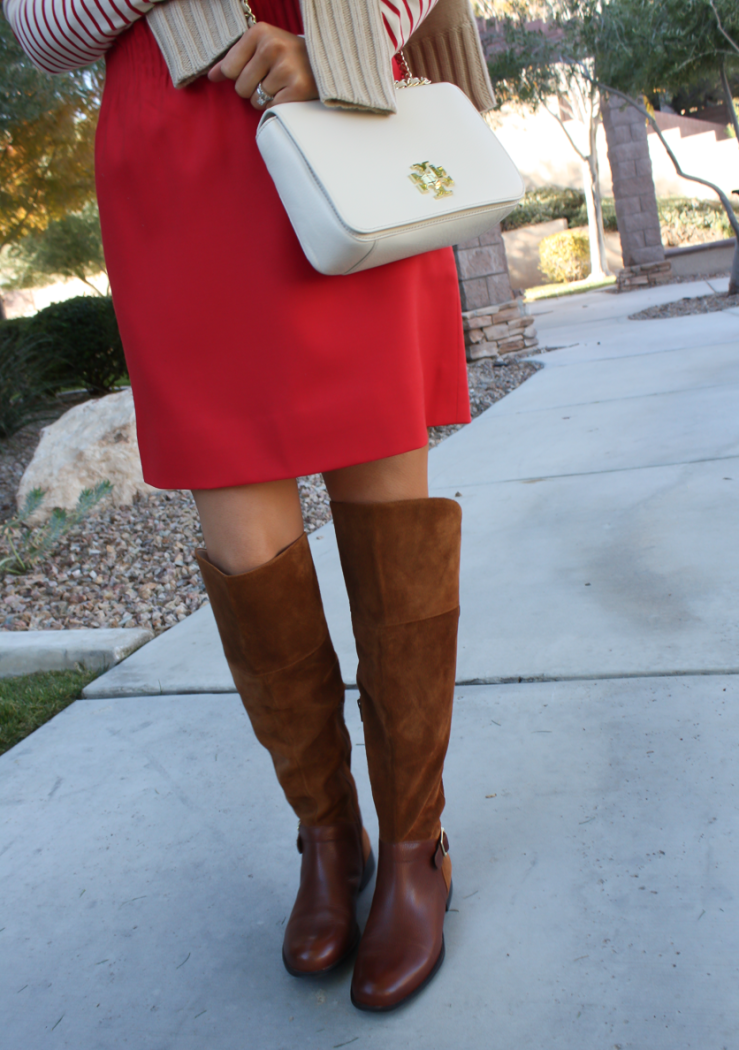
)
(408, 79)
(251, 18)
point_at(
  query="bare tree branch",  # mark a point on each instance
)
(730, 213)
(721, 29)
(581, 155)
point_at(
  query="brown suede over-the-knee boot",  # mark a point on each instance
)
(401, 566)
(278, 648)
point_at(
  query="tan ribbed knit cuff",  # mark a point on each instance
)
(349, 54)
(193, 35)
(450, 58)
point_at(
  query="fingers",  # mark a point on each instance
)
(271, 57)
(285, 84)
(234, 61)
(249, 60)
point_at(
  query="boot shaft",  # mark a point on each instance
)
(401, 566)
(278, 648)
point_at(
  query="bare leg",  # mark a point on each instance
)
(382, 481)
(246, 526)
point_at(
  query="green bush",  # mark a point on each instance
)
(565, 256)
(553, 202)
(543, 205)
(610, 222)
(13, 331)
(683, 220)
(688, 221)
(27, 379)
(84, 341)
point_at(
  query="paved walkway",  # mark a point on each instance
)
(599, 534)
(147, 859)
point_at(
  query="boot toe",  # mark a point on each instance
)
(317, 949)
(380, 985)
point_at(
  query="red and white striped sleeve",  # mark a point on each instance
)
(401, 17)
(60, 35)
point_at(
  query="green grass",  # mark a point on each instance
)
(554, 291)
(32, 699)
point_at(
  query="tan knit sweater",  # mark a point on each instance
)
(347, 47)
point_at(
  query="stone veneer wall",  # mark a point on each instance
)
(636, 201)
(501, 329)
(494, 320)
(646, 276)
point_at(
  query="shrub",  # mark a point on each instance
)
(565, 256)
(610, 222)
(26, 377)
(543, 205)
(553, 202)
(14, 330)
(84, 341)
(686, 221)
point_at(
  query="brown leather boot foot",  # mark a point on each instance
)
(403, 944)
(322, 930)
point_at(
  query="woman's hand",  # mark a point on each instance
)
(273, 58)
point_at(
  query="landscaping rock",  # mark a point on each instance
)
(92, 442)
(133, 566)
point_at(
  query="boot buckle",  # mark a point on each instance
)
(440, 852)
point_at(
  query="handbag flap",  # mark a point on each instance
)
(433, 158)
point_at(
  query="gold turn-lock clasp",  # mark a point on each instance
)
(427, 177)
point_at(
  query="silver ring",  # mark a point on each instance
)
(262, 97)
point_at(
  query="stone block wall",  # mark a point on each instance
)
(635, 199)
(483, 271)
(494, 320)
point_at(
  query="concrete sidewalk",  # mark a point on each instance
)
(147, 860)
(572, 488)
(150, 865)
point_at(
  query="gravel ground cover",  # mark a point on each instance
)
(133, 566)
(691, 278)
(697, 304)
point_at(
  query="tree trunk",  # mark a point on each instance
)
(3, 315)
(594, 205)
(728, 99)
(734, 275)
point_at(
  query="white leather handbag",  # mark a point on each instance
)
(365, 189)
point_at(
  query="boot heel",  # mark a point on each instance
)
(369, 871)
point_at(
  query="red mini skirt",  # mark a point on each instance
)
(246, 364)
